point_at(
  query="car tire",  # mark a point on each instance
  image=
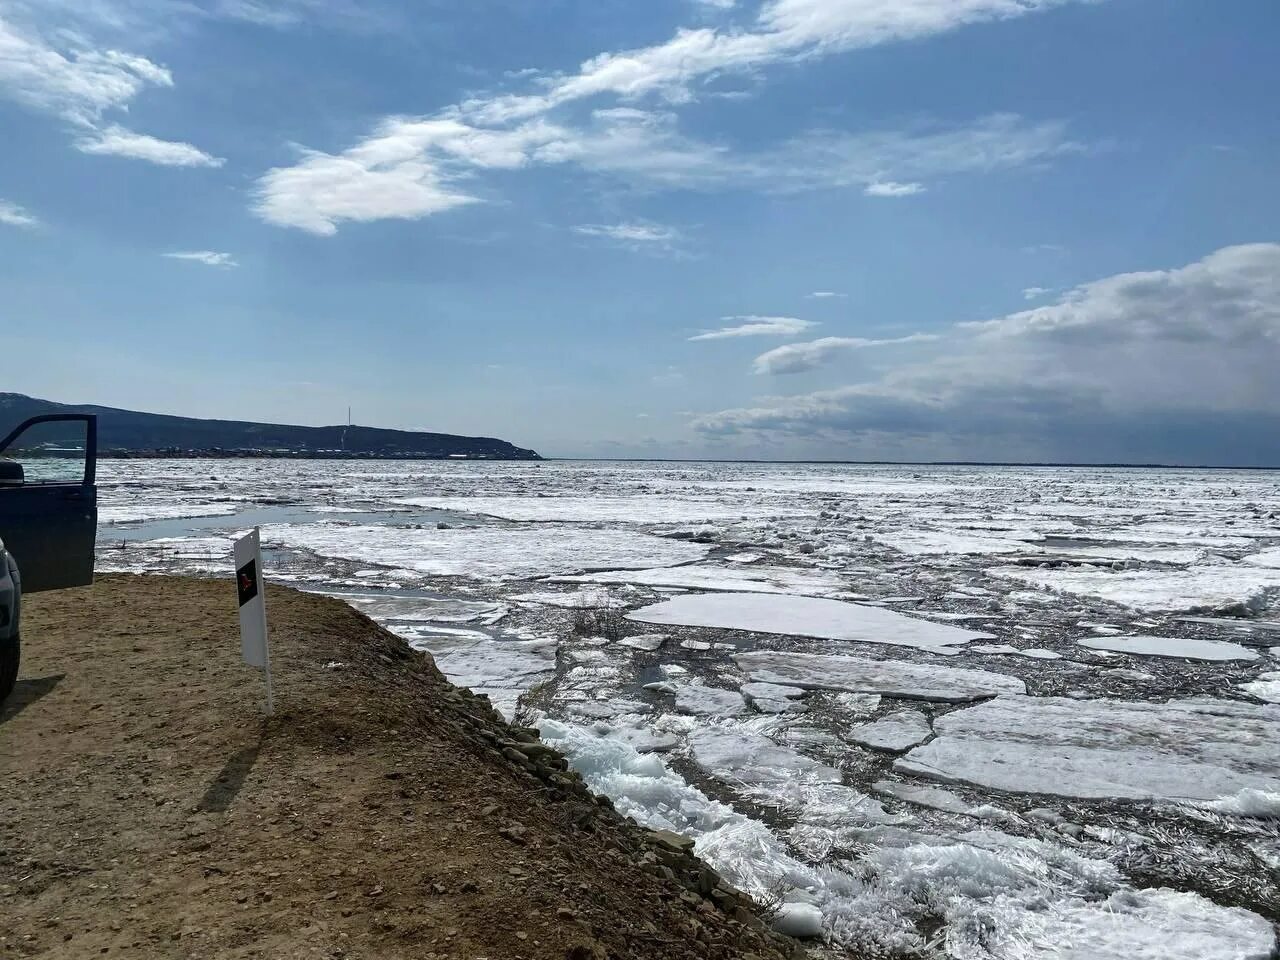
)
(10, 657)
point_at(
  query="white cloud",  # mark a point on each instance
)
(1232, 295)
(799, 357)
(784, 30)
(891, 188)
(754, 326)
(1035, 293)
(644, 145)
(117, 141)
(16, 216)
(76, 81)
(80, 82)
(209, 258)
(636, 235)
(1138, 365)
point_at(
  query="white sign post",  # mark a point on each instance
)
(253, 607)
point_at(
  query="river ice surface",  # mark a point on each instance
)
(939, 711)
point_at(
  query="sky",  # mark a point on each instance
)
(1014, 230)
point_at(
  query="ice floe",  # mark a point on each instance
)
(1186, 648)
(1190, 749)
(894, 678)
(806, 617)
(895, 732)
(709, 701)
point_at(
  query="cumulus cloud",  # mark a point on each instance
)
(16, 216)
(117, 141)
(754, 326)
(1130, 367)
(1232, 296)
(799, 357)
(210, 258)
(638, 142)
(1035, 293)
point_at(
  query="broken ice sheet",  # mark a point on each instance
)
(757, 579)
(1236, 587)
(387, 607)
(1191, 749)
(897, 678)
(612, 509)
(806, 617)
(484, 552)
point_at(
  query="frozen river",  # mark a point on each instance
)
(956, 712)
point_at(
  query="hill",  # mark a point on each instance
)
(129, 432)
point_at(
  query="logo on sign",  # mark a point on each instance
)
(247, 582)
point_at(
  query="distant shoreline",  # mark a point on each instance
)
(335, 455)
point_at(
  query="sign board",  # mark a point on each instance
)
(254, 646)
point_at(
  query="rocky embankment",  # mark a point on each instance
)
(149, 810)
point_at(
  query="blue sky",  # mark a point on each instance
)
(936, 229)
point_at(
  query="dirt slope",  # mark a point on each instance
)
(147, 810)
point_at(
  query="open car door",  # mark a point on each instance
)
(49, 499)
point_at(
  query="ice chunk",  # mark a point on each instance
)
(1266, 686)
(802, 920)
(921, 681)
(804, 616)
(647, 642)
(934, 797)
(1178, 647)
(484, 552)
(1193, 749)
(770, 691)
(709, 576)
(895, 732)
(709, 701)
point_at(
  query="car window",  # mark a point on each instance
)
(47, 453)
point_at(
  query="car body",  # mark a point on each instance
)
(48, 524)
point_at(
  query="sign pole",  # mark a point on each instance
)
(252, 594)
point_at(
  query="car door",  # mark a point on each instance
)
(49, 499)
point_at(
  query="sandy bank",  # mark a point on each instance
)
(147, 809)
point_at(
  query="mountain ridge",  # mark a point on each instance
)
(135, 433)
